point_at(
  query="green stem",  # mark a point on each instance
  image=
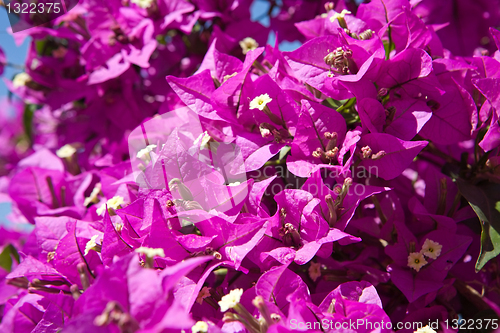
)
(275, 162)
(346, 105)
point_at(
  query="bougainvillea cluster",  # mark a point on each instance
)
(183, 175)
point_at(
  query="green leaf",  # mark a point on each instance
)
(6, 257)
(490, 245)
(29, 111)
(40, 46)
(284, 151)
(334, 104)
(346, 105)
(389, 45)
(484, 198)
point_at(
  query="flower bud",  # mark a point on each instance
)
(382, 92)
(367, 34)
(379, 155)
(332, 209)
(291, 236)
(332, 153)
(366, 152)
(75, 291)
(318, 153)
(84, 277)
(332, 137)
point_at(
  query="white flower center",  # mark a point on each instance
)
(200, 327)
(93, 196)
(144, 152)
(20, 80)
(66, 151)
(114, 203)
(143, 3)
(425, 329)
(150, 253)
(230, 300)
(341, 15)
(91, 244)
(260, 102)
(203, 140)
(248, 44)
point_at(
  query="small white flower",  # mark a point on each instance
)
(425, 329)
(91, 244)
(66, 151)
(21, 79)
(143, 3)
(100, 210)
(118, 226)
(260, 102)
(248, 44)
(431, 249)
(341, 15)
(143, 152)
(203, 140)
(230, 300)
(114, 203)
(150, 253)
(200, 327)
(92, 198)
(416, 261)
(234, 184)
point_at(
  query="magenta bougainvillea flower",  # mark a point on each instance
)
(168, 171)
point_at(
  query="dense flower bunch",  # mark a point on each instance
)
(181, 174)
